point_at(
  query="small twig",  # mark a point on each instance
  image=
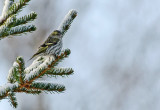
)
(64, 26)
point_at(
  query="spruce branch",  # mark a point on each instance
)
(21, 79)
(16, 73)
(12, 99)
(13, 75)
(47, 87)
(22, 20)
(7, 88)
(22, 29)
(13, 9)
(47, 65)
(66, 23)
(24, 80)
(59, 72)
(21, 67)
(7, 5)
(33, 92)
(10, 24)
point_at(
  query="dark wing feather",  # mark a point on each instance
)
(49, 42)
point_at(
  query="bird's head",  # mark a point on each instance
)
(56, 33)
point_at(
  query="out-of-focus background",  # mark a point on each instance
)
(115, 47)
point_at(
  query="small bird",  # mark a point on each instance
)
(52, 45)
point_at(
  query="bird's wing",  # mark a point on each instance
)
(45, 45)
(50, 42)
(40, 50)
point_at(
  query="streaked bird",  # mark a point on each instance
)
(52, 45)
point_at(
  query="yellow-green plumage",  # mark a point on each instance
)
(52, 46)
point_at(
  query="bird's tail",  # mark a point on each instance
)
(32, 57)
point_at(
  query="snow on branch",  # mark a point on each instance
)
(6, 88)
(64, 26)
(10, 24)
(12, 8)
(21, 79)
(6, 7)
(45, 64)
(59, 72)
(12, 99)
(47, 86)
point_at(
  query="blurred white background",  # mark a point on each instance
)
(115, 47)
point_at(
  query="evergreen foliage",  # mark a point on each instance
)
(10, 24)
(66, 23)
(24, 79)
